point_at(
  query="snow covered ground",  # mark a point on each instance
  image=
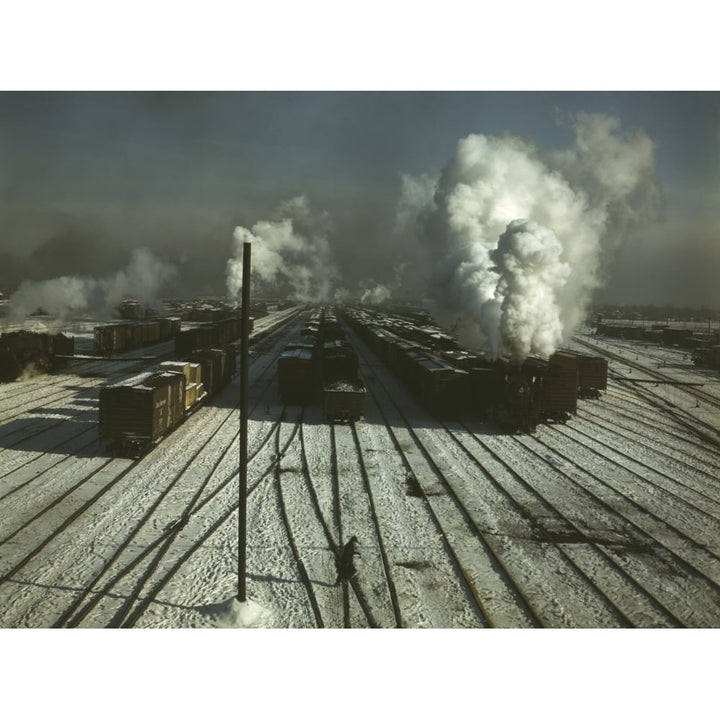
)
(608, 521)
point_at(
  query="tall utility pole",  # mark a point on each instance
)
(244, 345)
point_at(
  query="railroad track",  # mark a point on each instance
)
(570, 534)
(560, 510)
(653, 489)
(664, 574)
(15, 402)
(87, 369)
(65, 450)
(336, 524)
(707, 432)
(133, 535)
(378, 531)
(162, 542)
(427, 474)
(305, 518)
(673, 453)
(71, 618)
(661, 377)
(658, 480)
(501, 507)
(133, 607)
(704, 431)
(628, 414)
(360, 518)
(302, 570)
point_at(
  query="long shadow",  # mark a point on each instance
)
(113, 595)
(74, 436)
(83, 391)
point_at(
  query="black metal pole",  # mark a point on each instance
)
(244, 344)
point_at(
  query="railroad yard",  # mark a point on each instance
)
(608, 520)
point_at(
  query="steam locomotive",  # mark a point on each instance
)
(452, 382)
(41, 352)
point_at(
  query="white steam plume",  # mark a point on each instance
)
(342, 296)
(291, 250)
(528, 261)
(416, 193)
(517, 238)
(142, 279)
(375, 294)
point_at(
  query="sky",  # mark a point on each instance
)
(509, 208)
(88, 176)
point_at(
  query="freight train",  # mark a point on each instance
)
(322, 358)
(705, 346)
(452, 382)
(212, 334)
(119, 337)
(137, 413)
(22, 350)
(659, 335)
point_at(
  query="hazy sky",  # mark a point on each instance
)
(86, 177)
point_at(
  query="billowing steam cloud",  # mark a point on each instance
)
(290, 252)
(531, 272)
(518, 239)
(375, 294)
(142, 279)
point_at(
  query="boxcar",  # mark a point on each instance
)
(195, 391)
(676, 336)
(296, 375)
(217, 367)
(339, 361)
(559, 391)
(111, 338)
(137, 412)
(330, 329)
(591, 370)
(486, 389)
(196, 338)
(118, 337)
(210, 335)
